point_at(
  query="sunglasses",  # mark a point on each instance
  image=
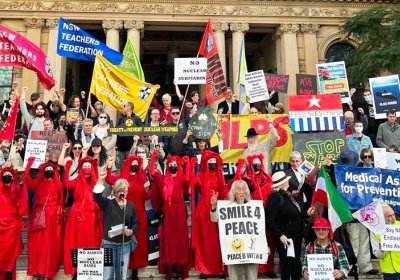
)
(175, 113)
(77, 148)
(367, 156)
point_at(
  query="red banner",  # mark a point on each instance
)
(8, 130)
(16, 50)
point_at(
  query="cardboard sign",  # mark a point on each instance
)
(55, 141)
(242, 232)
(256, 86)
(332, 78)
(385, 95)
(278, 83)
(190, 70)
(380, 157)
(203, 124)
(306, 84)
(315, 147)
(37, 149)
(320, 266)
(393, 161)
(90, 264)
(390, 240)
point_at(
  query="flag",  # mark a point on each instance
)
(326, 193)
(316, 112)
(74, 42)
(114, 87)
(372, 217)
(16, 50)
(216, 85)
(130, 64)
(240, 78)
(8, 130)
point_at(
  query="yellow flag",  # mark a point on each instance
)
(113, 87)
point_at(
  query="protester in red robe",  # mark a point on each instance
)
(168, 199)
(132, 171)
(46, 221)
(260, 182)
(205, 237)
(84, 227)
(14, 204)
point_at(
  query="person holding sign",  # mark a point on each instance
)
(389, 261)
(324, 244)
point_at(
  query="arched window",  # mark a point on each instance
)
(339, 52)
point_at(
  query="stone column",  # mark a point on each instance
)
(310, 46)
(33, 33)
(238, 30)
(134, 28)
(112, 28)
(219, 31)
(57, 63)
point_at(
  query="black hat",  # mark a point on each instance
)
(35, 96)
(96, 142)
(251, 132)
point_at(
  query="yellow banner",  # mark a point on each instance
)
(113, 87)
(234, 129)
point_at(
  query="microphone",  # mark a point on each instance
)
(121, 196)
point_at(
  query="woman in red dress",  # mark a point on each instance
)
(133, 172)
(14, 204)
(44, 260)
(84, 227)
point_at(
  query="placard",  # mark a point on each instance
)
(190, 70)
(90, 264)
(203, 124)
(320, 266)
(306, 167)
(72, 115)
(385, 95)
(390, 240)
(256, 86)
(393, 161)
(332, 78)
(278, 83)
(37, 149)
(306, 84)
(380, 157)
(55, 141)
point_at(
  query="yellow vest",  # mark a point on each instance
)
(390, 263)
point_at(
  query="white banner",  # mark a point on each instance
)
(37, 149)
(90, 264)
(320, 266)
(242, 232)
(190, 70)
(390, 240)
(256, 86)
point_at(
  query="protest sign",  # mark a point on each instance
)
(315, 147)
(72, 115)
(306, 84)
(90, 264)
(278, 83)
(315, 112)
(190, 70)
(203, 124)
(393, 161)
(37, 149)
(152, 228)
(320, 266)
(242, 232)
(306, 167)
(380, 157)
(390, 240)
(256, 86)
(359, 186)
(385, 95)
(55, 141)
(332, 78)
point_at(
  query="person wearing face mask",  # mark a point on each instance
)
(46, 221)
(205, 238)
(358, 141)
(167, 198)
(14, 204)
(84, 227)
(138, 192)
(101, 131)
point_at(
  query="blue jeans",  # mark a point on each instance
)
(114, 272)
(387, 276)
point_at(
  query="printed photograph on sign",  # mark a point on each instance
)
(332, 78)
(385, 95)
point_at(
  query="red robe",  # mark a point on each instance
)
(45, 259)
(84, 227)
(137, 195)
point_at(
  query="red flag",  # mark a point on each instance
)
(16, 50)
(8, 130)
(216, 85)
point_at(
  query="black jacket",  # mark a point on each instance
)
(225, 108)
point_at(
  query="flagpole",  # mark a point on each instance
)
(88, 104)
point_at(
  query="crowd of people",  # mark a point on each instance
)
(101, 180)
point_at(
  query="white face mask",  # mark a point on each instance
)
(368, 98)
(102, 121)
(358, 129)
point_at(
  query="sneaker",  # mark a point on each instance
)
(372, 272)
(271, 275)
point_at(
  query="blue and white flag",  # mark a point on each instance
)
(74, 42)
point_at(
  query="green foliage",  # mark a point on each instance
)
(377, 32)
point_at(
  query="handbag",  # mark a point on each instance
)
(38, 221)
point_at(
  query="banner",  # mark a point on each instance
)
(242, 232)
(74, 42)
(234, 128)
(216, 84)
(192, 70)
(315, 147)
(130, 64)
(332, 78)
(37, 149)
(306, 84)
(316, 112)
(256, 86)
(113, 87)
(385, 95)
(16, 50)
(55, 141)
(278, 83)
(360, 186)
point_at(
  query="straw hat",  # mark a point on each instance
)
(278, 178)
